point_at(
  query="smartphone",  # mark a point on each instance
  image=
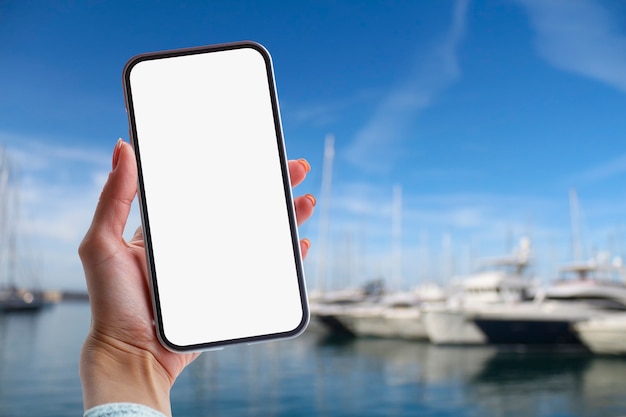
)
(215, 199)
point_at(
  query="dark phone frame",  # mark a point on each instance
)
(158, 319)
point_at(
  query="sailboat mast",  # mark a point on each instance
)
(4, 206)
(327, 172)
(396, 237)
(577, 251)
(14, 225)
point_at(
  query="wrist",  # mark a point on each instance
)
(113, 371)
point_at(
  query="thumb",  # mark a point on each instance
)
(116, 198)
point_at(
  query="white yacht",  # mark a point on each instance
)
(501, 282)
(546, 322)
(327, 308)
(380, 314)
(605, 334)
(393, 315)
(371, 319)
(550, 318)
(596, 282)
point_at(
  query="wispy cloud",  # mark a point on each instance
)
(580, 36)
(375, 145)
(326, 113)
(614, 167)
(39, 154)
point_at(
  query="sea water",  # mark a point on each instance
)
(314, 375)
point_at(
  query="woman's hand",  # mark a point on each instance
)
(121, 359)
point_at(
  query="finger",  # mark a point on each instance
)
(138, 235)
(117, 195)
(305, 244)
(298, 170)
(304, 207)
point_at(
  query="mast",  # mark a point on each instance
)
(4, 207)
(396, 238)
(424, 257)
(577, 251)
(447, 267)
(13, 228)
(327, 172)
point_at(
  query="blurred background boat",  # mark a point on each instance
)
(501, 282)
(583, 291)
(20, 289)
(605, 334)
(389, 315)
(24, 300)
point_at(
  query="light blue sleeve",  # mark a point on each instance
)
(122, 410)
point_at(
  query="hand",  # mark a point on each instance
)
(121, 359)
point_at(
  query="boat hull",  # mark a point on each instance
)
(604, 336)
(528, 332)
(534, 323)
(21, 301)
(402, 323)
(452, 327)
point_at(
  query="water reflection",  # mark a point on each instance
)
(39, 361)
(315, 375)
(603, 386)
(18, 334)
(405, 362)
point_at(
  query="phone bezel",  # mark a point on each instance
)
(154, 290)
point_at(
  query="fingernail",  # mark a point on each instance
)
(116, 153)
(305, 164)
(306, 242)
(311, 198)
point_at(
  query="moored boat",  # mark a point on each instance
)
(550, 319)
(395, 315)
(605, 334)
(13, 299)
(502, 281)
(533, 323)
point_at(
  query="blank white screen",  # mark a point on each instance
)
(222, 243)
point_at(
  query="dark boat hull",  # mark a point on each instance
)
(528, 332)
(22, 301)
(334, 325)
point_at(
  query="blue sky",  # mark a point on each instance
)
(484, 113)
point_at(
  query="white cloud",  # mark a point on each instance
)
(580, 36)
(375, 144)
